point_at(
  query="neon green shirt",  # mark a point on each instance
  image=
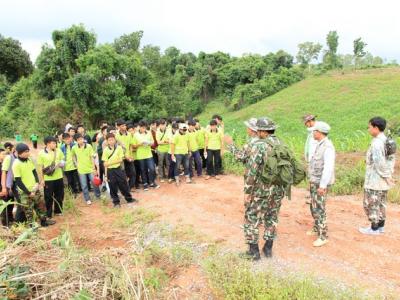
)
(125, 141)
(181, 142)
(194, 146)
(132, 151)
(69, 162)
(109, 155)
(144, 151)
(34, 137)
(214, 140)
(18, 138)
(162, 137)
(46, 158)
(201, 138)
(84, 157)
(24, 170)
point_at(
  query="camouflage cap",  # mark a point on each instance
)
(308, 117)
(265, 123)
(251, 123)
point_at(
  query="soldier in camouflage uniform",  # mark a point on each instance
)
(262, 201)
(378, 178)
(322, 176)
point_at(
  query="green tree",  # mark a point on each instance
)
(358, 51)
(128, 43)
(14, 61)
(331, 59)
(308, 51)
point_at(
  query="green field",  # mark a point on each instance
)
(345, 100)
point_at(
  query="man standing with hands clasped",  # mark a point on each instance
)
(322, 175)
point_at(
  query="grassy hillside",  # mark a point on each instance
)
(346, 101)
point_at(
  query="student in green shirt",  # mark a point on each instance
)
(18, 137)
(34, 139)
(201, 140)
(162, 137)
(180, 149)
(8, 189)
(171, 169)
(52, 159)
(70, 170)
(27, 181)
(132, 129)
(85, 160)
(195, 158)
(144, 140)
(214, 147)
(124, 139)
(113, 157)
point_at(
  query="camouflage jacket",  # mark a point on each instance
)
(253, 184)
(242, 155)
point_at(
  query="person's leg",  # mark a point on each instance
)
(171, 169)
(70, 180)
(151, 169)
(130, 173)
(185, 162)
(382, 209)
(138, 173)
(178, 162)
(84, 185)
(58, 196)
(123, 185)
(197, 159)
(49, 190)
(319, 213)
(113, 184)
(203, 159)
(76, 183)
(160, 166)
(35, 144)
(144, 173)
(313, 195)
(96, 189)
(217, 162)
(250, 227)
(210, 163)
(372, 207)
(192, 164)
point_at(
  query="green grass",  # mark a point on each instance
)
(346, 101)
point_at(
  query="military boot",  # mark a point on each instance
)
(254, 252)
(267, 249)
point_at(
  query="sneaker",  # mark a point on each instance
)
(381, 229)
(162, 180)
(146, 188)
(50, 222)
(188, 180)
(116, 205)
(217, 177)
(104, 189)
(89, 202)
(319, 242)
(58, 214)
(208, 177)
(182, 173)
(311, 232)
(170, 180)
(369, 231)
(154, 186)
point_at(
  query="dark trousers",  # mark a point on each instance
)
(54, 196)
(138, 180)
(102, 170)
(213, 162)
(130, 173)
(203, 159)
(196, 160)
(117, 181)
(184, 160)
(34, 144)
(171, 169)
(73, 181)
(148, 171)
(7, 215)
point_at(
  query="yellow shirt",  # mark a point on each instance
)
(144, 151)
(109, 155)
(84, 157)
(163, 137)
(181, 142)
(194, 146)
(214, 140)
(24, 170)
(46, 158)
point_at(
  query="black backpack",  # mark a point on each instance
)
(390, 145)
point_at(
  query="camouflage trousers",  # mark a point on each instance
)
(375, 205)
(33, 212)
(265, 211)
(318, 212)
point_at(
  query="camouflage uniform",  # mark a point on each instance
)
(265, 201)
(33, 212)
(379, 169)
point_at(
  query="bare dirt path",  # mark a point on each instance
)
(215, 208)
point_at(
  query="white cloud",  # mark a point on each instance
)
(232, 26)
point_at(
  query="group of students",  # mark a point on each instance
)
(118, 158)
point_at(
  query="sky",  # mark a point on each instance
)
(236, 27)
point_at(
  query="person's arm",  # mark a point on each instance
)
(21, 185)
(327, 172)
(40, 167)
(252, 173)
(3, 192)
(379, 160)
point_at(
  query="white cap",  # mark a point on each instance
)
(321, 127)
(183, 126)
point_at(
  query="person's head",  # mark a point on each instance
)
(162, 124)
(192, 125)
(67, 139)
(121, 124)
(72, 131)
(217, 118)
(251, 126)
(80, 129)
(9, 147)
(213, 124)
(320, 130)
(131, 128)
(309, 120)
(59, 134)
(79, 139)
(197, 123)
(153, 125)
(111, 129)
(142, 126)
(103, 124)
(22, 151)
(265, 127)
(183, 128)
(376, 126)
(103, 130)
(50, 142)
(174, 127)
(111, 141)
(2, 154)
